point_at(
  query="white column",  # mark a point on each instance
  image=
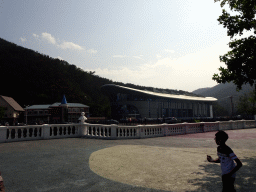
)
(211, 112)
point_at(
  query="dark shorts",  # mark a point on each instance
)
(228, 184)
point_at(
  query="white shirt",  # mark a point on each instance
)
(226, 157)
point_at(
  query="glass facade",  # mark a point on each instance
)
(126, 102)
(158, 107)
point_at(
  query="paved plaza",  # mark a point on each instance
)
(174, 163)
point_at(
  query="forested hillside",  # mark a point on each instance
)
(33, 78)
(224, 93)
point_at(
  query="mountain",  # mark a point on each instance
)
(32, 78)
(201, 90)
(224, 93)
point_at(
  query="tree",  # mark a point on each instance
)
(247, 104)
(219, 111)
(241, 59)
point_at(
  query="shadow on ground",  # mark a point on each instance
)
(54, 168)
(245, 177)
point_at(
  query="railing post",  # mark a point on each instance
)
(83, 125)
(3, 132)
(16, 134)
(186, 128)
(113, 131)
(218, 126)
(140, 133)
(83, 129)
(232, 124)
(21, 130)
(202, 127)
(164, 128)
(46, 131)
(244, 123)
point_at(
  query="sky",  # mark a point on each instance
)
(172, 44)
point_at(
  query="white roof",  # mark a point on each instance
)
(166, 95)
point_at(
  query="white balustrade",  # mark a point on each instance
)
(174, 129)
(22, 133)
(238, 124)
(54, 131)
(63, 130)
(225, 125)
(249, 124)
(211, 126)
(194, 127)
(98, 131)
(151, 130)
(127, 132)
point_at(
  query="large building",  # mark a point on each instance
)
(129, 102)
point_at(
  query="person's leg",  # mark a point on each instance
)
(228, 184)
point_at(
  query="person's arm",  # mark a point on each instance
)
(237, 167)
(210, 159)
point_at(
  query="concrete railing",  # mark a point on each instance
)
(174, 129)
(211, 126)
(56, 131)
(151, 130)
(37, 132)
(97, 131)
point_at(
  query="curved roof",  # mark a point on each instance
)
(112, 88)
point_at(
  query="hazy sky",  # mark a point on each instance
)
(172, 44)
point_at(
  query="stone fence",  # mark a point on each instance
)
(56, 131)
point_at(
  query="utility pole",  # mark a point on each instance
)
(232, 106)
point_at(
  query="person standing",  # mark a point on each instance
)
(227, 159)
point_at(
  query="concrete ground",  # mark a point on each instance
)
(175, 163)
